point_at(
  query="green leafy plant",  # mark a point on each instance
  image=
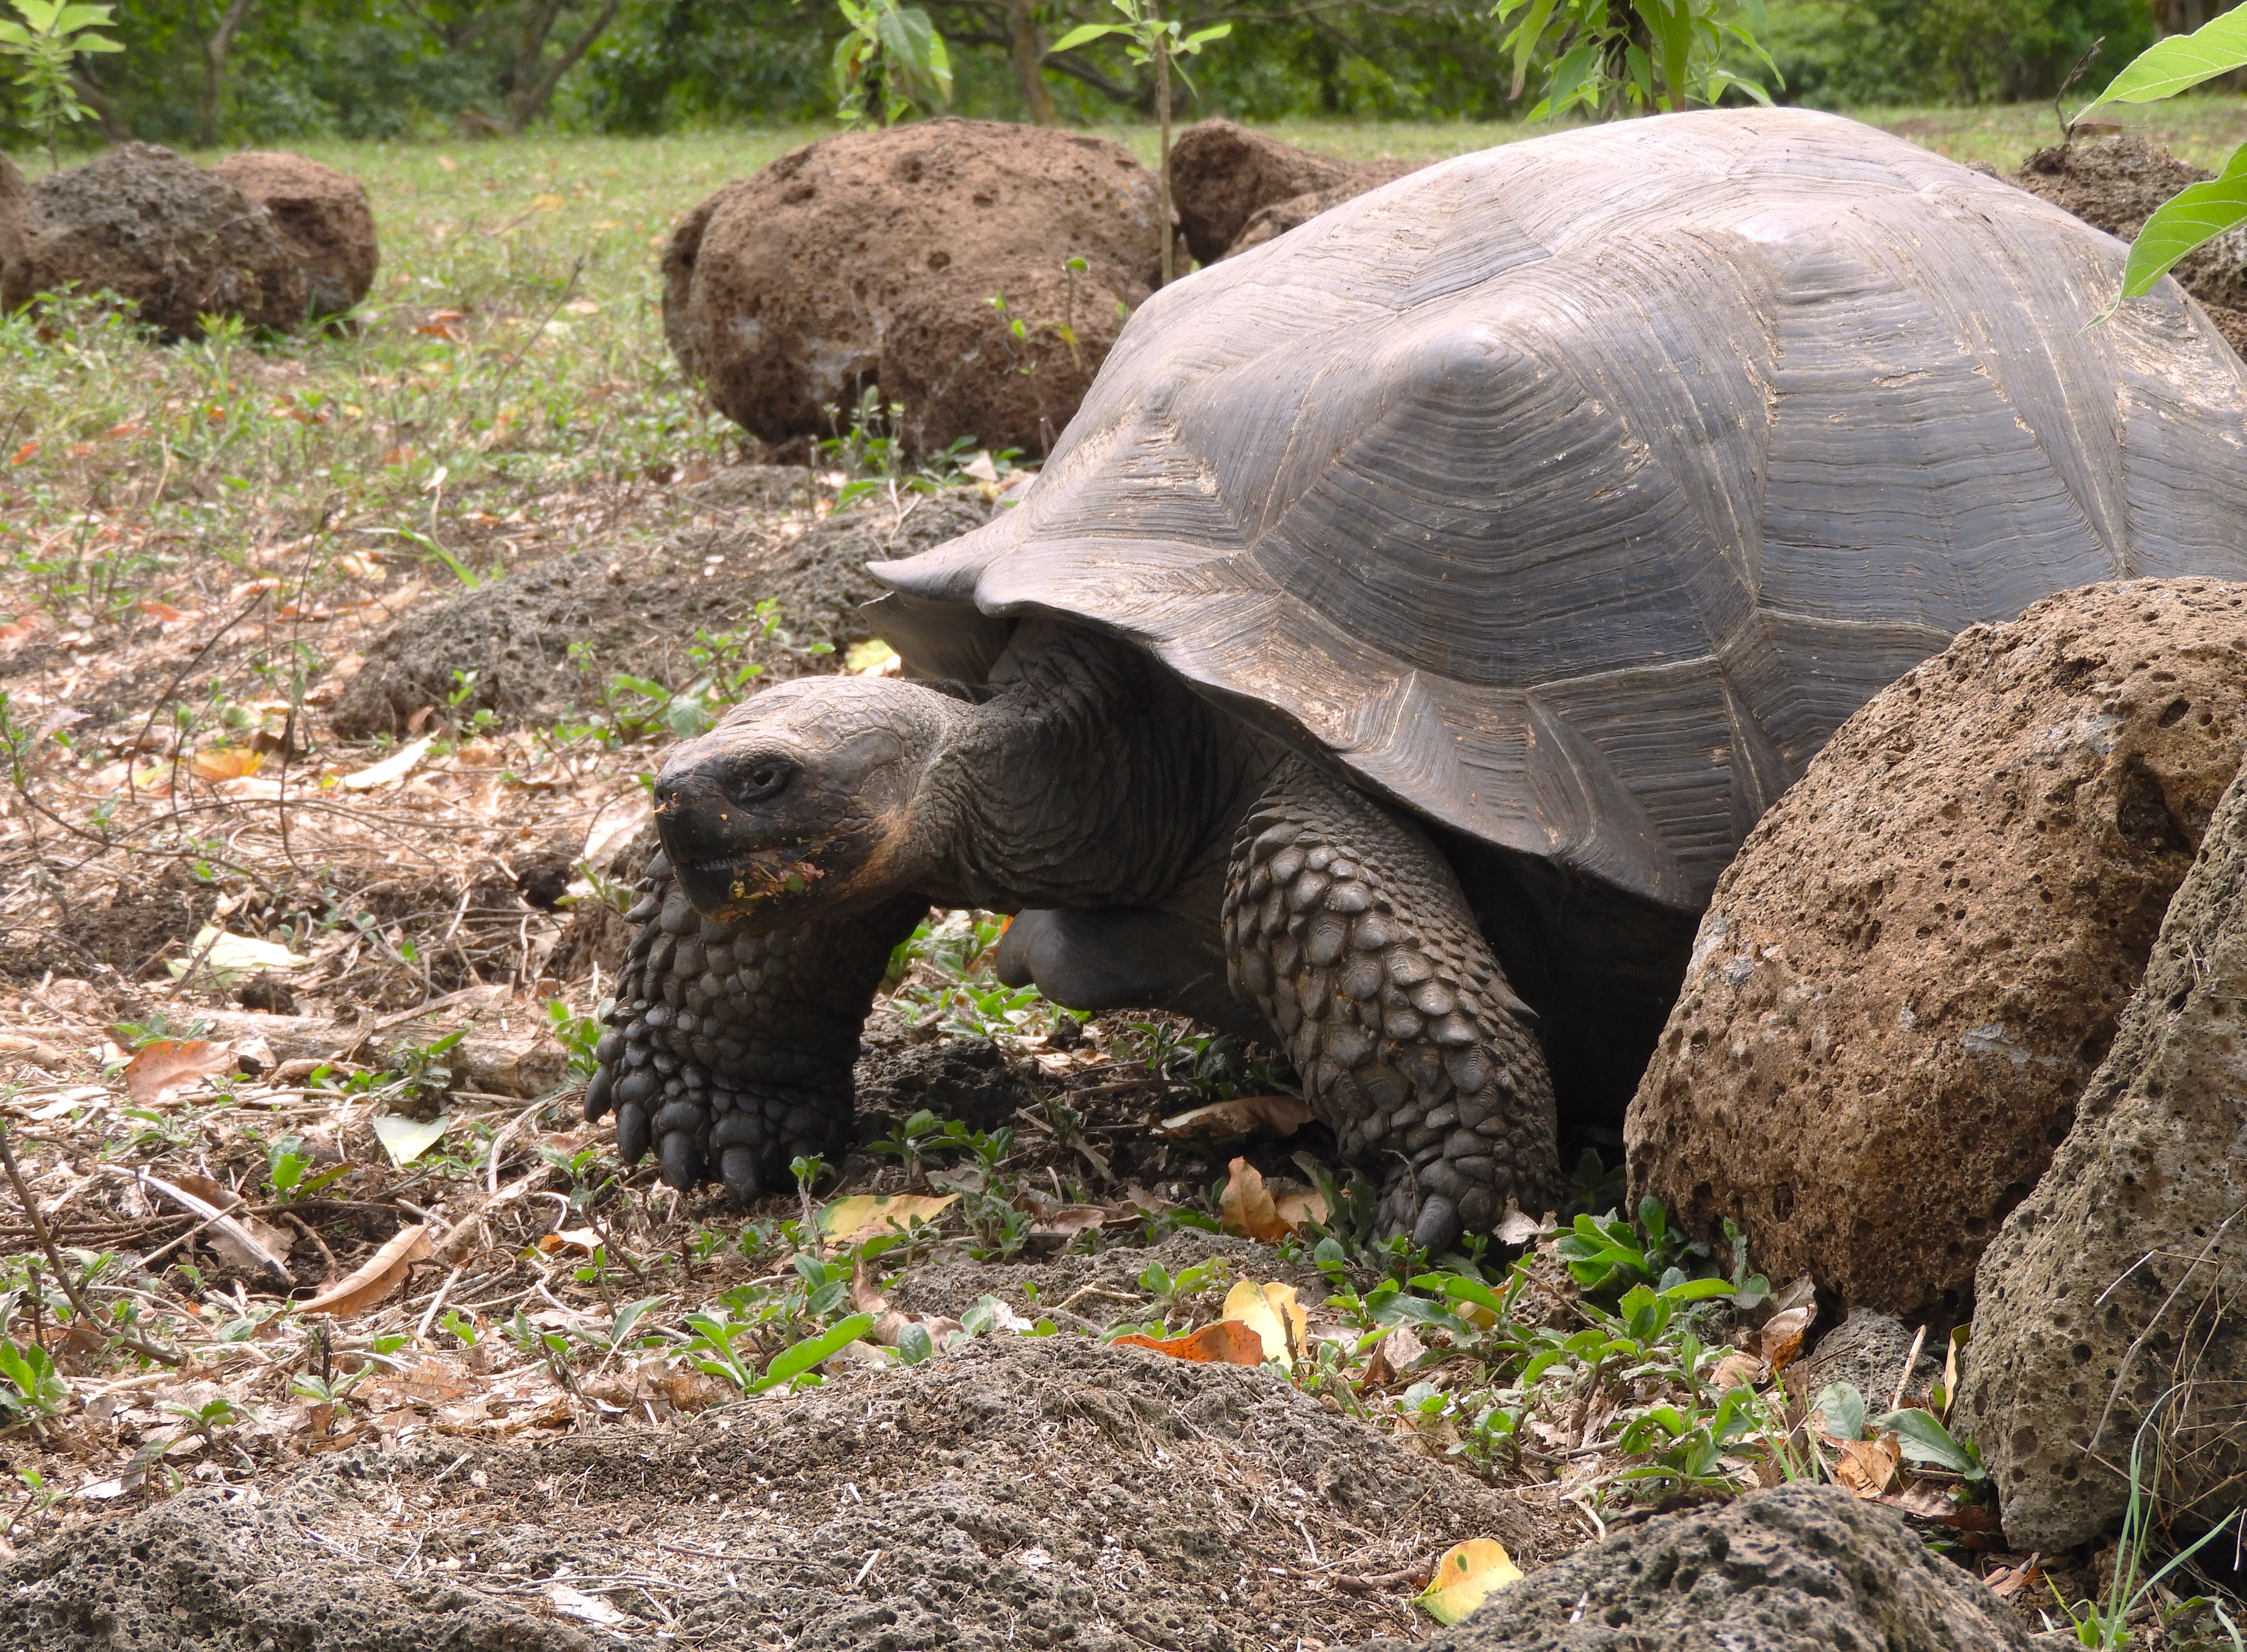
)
(890, 57)
(42, 49)
(1633, 56)
(2198, 213)
(1604, 1252)
(1151, 38)
(34, 1386)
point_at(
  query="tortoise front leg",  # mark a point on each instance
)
(732, 1052)
(1351, 931)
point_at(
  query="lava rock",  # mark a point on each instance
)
(2115, 185)
(869, 260)
(1794, 1567)
(2111, 1286)
(174, 240)
(1921, 954)
(1235, 189)
(16, 210)
(322, 217)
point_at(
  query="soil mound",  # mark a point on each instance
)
(157, 230)
(1235, 189)
(1921, 955)
(541, 642)
(2107, 1297)
(323, 216)
(1778, 1570)
(2115, 185)
(871, 260)
(1022, 1492)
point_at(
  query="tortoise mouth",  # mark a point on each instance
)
(730, 886)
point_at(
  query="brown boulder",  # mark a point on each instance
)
(2113, 1293)
(323, 215)
(2115, 185)
(15, 210)
(160, 232)
(870, 259)
(1919, 956)
(1235, 189)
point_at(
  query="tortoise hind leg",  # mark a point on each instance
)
(1351, 931)
(732, 1054)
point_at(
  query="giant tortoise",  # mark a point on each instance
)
(1417, 615)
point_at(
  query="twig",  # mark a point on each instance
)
(86, 1315)
(221, 1219)
(437, 1301)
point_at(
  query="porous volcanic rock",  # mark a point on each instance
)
(870, 259)
(15, 231)
(545, 639)
(2119, 1278)
(323, 215)
(157, 230)
(1235, 189)
(1921, 954)
(1783, 1570)
(2115, 185)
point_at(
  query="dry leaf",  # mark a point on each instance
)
(427, 1385)
(1468, 1575)
(1247, 1206)
(394, 766)
(1270, 1312)
(1280, 1115)
(578, 1241)
(867, 1215)
(1065, 1222)
(225, 762)
(1227, 1343)
(223, 959)
(1780, 1340)
(1392, 1355)
(1517, 1226)
(1868, 1467)
(1299, 1205)
(165, 1065)
(1738, 1370)
(406, 1139)
(375, 1277)
(1935, 1503)
(2008, 1581)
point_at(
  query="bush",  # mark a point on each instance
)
(1853, 52)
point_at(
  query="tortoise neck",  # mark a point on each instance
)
(1090, 777)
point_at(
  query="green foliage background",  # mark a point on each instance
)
(374, 69)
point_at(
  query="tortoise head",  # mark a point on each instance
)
(801, 801)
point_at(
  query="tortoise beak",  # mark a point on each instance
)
(715, 813)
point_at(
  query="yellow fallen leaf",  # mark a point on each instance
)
(873, 658)
(874, 1213)
(1468, 1575)
(406, 1139)
(546, 203)
(225, 762)
(394, 766)
(375, 1277)
(221, 959)
(1272, 1312)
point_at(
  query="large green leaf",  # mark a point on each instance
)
(793, 1362)
(2169, 67)
(2192, 217)
(1084, 34)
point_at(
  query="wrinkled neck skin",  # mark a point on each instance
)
(1090, 777)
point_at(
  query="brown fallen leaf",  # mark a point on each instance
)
(427, 1385)
(1935, 1503)
(1739, 1370)
(575, 1242)
(165, 1065)
(1780, 1340)
(1247, 1207)
(375, 1277)
(1392, 1355)
(1280, 1115)
(1227, 1343)
(1868, 1467)
(2008, 1581)
(22, 1046)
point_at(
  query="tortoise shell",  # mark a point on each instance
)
(1573, 492)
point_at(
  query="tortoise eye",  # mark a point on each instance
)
(761, 778)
